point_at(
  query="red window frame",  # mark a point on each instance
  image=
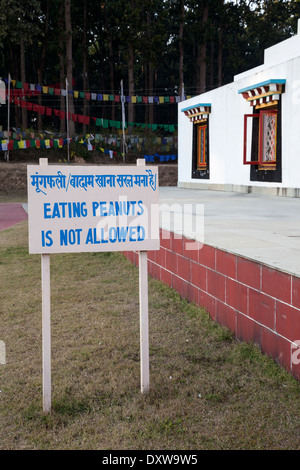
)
(255, 162)
(259, 161)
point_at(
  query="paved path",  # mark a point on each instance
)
(11, 214)
(262, 228)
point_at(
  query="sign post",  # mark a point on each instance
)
(46, 324)
(87, 209)
(144, 321)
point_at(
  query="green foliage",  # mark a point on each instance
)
(235, 36)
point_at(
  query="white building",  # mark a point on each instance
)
(245, 136)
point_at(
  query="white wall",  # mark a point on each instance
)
(226, 124)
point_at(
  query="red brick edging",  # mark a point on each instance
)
(256, 302)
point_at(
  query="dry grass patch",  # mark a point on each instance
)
(207, 390)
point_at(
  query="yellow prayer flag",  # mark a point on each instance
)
(45, 89)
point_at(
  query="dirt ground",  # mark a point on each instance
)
(13, 175)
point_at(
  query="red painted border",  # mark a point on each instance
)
(257, 303)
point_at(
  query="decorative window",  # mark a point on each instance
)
(262, 131)
(199, 116)
(201, 146)
(266, 151)
(268, 137)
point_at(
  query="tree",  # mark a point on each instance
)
(69, 64)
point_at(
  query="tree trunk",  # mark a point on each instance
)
(151, 86)
(41, 65)
(181, 51)
(85, 71)
(130, 81)
(62, 75)
(146, 87)
(13, 53)
(212, 65)
(23, 80)
(69, 63)
(201, 56)
(220, 56)
(112, 75)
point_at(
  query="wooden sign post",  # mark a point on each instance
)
(87, 209)
(46, 324)
(144, 322)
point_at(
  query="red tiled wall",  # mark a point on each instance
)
(255, 302)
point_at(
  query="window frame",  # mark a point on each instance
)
(260, 150)
(245, 161)
(263, 112)
(200, 171)
(202, 127)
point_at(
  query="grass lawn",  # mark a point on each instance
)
(208, 391)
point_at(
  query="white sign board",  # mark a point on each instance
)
(92, 208)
